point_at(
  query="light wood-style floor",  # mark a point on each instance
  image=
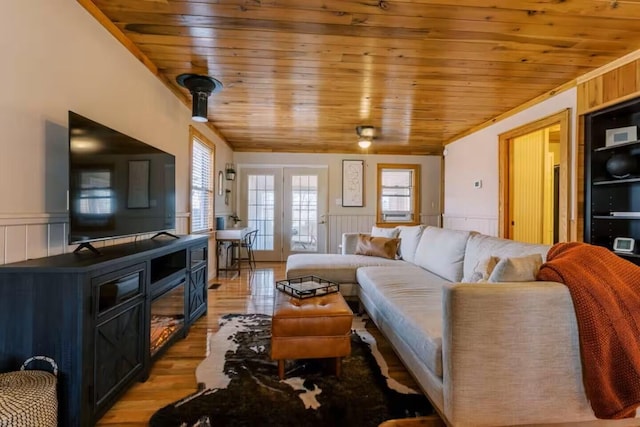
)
(173, 374)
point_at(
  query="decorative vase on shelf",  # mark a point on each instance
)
(621, 166)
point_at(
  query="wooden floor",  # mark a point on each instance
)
(173, 374)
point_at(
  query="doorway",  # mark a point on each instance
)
(288, 206)
(535, 181)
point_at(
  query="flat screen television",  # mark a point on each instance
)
(118, 186)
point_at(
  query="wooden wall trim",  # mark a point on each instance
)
(610, 103)
(609, 67)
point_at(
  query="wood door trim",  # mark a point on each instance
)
(563, 118)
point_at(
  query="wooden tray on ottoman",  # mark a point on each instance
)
(307, 286)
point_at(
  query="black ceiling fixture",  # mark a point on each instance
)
(200, 87)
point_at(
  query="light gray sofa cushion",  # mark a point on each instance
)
(480, 246)
(334, 267)
(410, 299)
(441, 251)
(409, 238)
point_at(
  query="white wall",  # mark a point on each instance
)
(341, 219)
(475, 157)
(56, 57)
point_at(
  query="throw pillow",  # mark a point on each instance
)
(521, 269)
(483, 269)
(384, 232)
(383, 247)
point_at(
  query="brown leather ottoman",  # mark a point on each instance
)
(317, 327)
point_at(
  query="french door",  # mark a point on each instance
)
(304, 213)
(288, 207)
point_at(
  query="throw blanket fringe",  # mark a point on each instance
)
(605, 290)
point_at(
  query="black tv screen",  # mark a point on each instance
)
(118, 186)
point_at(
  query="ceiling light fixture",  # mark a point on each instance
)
(201, 87)
(364, 143)
(365, 135)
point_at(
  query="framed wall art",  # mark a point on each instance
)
(353, 183)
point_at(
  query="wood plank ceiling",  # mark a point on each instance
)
(300, 75)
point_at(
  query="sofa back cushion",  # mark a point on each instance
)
(441, 251)
(384, 232)
(409, 238)
(481, 246)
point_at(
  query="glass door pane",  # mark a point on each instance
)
(304, 213)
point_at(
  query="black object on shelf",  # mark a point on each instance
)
(621, 165)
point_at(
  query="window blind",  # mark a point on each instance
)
(201, 187)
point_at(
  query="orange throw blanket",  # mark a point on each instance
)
(606, 294)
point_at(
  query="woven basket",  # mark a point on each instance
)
(28, 398)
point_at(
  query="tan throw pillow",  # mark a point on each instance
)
(521, 269)
(384, 247)
(483, 270)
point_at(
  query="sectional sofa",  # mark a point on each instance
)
(486, 352)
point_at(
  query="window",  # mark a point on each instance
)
(304, 213)
(96, 195)
(398, 194)
(201, 186)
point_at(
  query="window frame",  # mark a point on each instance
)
(415, 202)
(196, 135)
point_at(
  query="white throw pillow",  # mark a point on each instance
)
(391, 233)
(483, 269)
(520, 269)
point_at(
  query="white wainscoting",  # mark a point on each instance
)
(485, 225)
(25, 236)
(338, 224)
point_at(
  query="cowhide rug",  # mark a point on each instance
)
(240, 385)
